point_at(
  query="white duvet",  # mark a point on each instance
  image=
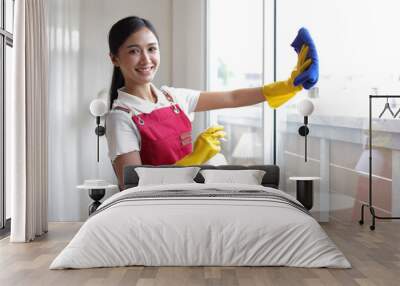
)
(182, 231)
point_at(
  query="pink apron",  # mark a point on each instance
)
(165, 134)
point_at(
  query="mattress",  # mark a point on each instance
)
(201, 225)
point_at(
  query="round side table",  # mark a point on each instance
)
(96, 193)
(304, 190)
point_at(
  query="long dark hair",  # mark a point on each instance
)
(118, 34)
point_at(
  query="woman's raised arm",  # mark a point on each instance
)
(228, 99)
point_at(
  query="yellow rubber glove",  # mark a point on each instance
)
(279, 92)
(206, 146)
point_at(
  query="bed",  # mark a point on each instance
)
(201, 224)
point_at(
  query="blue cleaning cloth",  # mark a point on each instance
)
(310, 76)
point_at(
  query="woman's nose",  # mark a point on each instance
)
(145, 58)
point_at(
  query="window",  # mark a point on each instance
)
(359, 56)
(9, 16)
(235, 60)
(6, 44)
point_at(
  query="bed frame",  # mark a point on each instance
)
(270, 179)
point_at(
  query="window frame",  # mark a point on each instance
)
(6, 39)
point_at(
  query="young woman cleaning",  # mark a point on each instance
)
(152, 126)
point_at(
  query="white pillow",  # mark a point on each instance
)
(248, 177)
(163, 176)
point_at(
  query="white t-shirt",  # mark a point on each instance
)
(121, 132)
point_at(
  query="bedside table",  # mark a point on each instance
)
(304, 190)
(97, 191)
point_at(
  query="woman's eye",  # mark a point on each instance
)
(152, 49)
(134, 51)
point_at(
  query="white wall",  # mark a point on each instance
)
(80, 68)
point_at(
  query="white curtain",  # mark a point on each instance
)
(71, 127)
(28, 123)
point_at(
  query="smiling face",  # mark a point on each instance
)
(138, 57)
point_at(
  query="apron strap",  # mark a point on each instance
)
(167, 95)
(171, 100)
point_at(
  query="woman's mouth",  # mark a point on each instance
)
(145, 70)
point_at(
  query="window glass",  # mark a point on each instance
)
(8, 91)
(1, 15)
(235, 61)
(358, 57)
(2, 171)
(9, 11)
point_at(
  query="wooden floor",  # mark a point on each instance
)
(374, 255)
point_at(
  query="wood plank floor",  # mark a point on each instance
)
(375, 258)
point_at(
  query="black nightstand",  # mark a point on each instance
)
(304, 190)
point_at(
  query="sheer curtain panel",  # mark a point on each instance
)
(28, 123)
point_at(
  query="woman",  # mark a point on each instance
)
(151, 126)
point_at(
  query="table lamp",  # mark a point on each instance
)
(305, 107)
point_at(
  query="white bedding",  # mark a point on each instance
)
(181, 231)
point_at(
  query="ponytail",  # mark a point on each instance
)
(117, 82)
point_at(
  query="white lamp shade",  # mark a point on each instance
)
(305, 107)
(98, 107)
